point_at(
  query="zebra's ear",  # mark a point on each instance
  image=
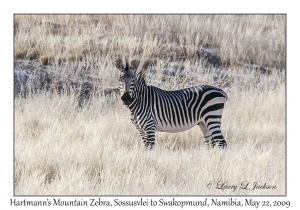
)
(119, 64)
(149, 63)
(146, 65)
(134, 64)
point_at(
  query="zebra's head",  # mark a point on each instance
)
(128, 79)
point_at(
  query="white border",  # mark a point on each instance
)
(154, 6)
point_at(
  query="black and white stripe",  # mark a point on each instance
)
(153, 109)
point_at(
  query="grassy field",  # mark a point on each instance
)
(61, 150)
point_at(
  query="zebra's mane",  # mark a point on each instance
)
(140, 75)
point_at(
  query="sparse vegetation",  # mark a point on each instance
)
(95, 150)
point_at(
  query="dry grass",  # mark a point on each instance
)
(60, 150)
(258, 39)
(97, 151)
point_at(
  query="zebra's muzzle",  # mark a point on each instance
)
(126, 99)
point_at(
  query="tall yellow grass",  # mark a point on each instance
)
(60, 150)
(258, 39)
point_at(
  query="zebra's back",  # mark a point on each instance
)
(180, 110)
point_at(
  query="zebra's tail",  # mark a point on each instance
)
(225, 95)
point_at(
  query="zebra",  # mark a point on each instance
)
(153, 109)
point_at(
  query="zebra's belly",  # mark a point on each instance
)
(173, 128)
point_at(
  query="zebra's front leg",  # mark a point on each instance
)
(148, 137)
(141, 131)
(147, 134)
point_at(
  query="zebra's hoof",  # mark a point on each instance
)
(224, 146)
(149, 146)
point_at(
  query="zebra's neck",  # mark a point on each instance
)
(139, 92)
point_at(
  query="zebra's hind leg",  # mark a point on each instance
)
(206, 134)
(212, 135)
(217, 136)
